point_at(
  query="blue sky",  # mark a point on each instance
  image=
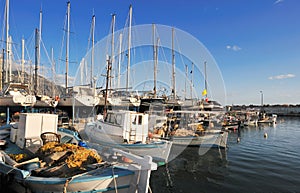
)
(256, 43)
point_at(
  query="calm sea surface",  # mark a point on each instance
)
(255, 164)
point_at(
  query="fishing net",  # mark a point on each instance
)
(74, 155)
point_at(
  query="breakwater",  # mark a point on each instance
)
(280, 110)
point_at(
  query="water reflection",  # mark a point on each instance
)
(192, 171)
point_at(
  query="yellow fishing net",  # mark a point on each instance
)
(77, 158)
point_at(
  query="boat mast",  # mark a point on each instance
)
(2, 70)
(186, 77)
(93, 50)
(154, 60)
(67, 45)
(112, 45)
(53, 72)
(173, 67)
(9, 57)
(119, 62)
(36, 61)
(22, 62)
(192, 82)
(106, 86)
(7, 40)
(129, 47)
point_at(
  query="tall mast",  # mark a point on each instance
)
(7, 40)
(39, 52)
(37, 39)
(53, 72)
(192, 81)
(186, 77)
(173, 67)
(154, 59)
(22, 62)
(10, 57)
(67, 45)
(112, 44)
(40, 36)
(93, 50)
(119, 62)
(129, 47)
(2, 70)
(106, 87)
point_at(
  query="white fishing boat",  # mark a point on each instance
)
(211, 139)
(127, 130)
(264, 118)
(54, 160)
(192, 128)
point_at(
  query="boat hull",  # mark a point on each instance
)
(158, 150)
(218, 140)
(101, 182)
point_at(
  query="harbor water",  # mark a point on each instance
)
(254, 164)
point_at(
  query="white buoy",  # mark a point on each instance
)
(265, 135)
(238, 140)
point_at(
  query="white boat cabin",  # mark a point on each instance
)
(131, 125)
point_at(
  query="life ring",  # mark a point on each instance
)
(57, 98)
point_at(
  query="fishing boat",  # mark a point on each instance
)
(193, 128)
(43, 158)
(264, 118)
(207, 139)
(127, 130)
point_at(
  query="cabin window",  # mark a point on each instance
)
(113, 119)
(140, 120)
(118, 119)
(110, 118)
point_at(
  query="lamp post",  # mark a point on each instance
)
(262, 98)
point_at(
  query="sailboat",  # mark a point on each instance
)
(12, 93)
(122, 97)
(82, 97)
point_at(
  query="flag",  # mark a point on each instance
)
(204, 92)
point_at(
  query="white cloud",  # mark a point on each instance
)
(234, 47)
(278, 1)
(282, 76)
